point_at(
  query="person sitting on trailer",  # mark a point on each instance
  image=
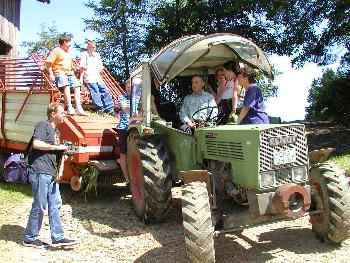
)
(59, 64)
(90, 68)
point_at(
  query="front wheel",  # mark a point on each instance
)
(330, 193)
(150, 176)
(198, 223)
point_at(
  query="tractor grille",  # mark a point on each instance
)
(231, 150)
(267, 148)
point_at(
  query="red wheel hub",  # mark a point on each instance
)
(136, 178)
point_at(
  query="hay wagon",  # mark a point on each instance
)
(25, 92)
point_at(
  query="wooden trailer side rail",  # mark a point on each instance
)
(25, 92)
(22, 75)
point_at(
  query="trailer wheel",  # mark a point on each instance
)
(198, 224)
(150, 176)
(330, 191)
(75, 183)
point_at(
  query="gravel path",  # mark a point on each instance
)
(109, 231)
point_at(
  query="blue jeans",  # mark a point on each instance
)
(46, 193)
(101, 97)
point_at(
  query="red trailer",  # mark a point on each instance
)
(25, 92)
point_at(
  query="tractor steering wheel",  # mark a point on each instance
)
(210, 118)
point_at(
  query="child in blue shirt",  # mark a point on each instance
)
(122, 128)
(253, 111)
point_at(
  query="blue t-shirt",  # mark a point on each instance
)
(124, 102)
(253, 99)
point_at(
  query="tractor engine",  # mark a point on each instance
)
(269, 161)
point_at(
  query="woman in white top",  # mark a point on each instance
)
(227, 93)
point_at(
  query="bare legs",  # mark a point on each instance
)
(68, 100)
(123, 166)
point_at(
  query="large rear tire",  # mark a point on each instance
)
(150, 176)
(197, 223)
(330, 191)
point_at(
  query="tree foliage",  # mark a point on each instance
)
(47, 40)
(120, 23)
(329, 97)
(307, 30)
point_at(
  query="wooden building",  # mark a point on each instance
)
(10, 25)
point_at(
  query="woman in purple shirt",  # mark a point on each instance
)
(253, 111)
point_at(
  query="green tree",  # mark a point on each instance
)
(329, 97)
(121, 25)
(47, 40)
(176, 18)
(319, 97)
(307, 30)
(310, 29)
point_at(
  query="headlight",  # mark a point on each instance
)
(299, 174)
(267, 179)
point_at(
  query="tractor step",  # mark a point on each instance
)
(109, 172)
(105, 165)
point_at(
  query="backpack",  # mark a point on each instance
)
(16, 167)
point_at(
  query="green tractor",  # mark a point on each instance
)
(235, 176)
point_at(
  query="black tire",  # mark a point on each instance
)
(330, 191)
(156, 180)
(197, 223)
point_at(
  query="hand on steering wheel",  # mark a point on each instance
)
(210, 117)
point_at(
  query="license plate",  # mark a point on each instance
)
(284, 156)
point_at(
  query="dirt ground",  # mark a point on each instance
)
(109, 231)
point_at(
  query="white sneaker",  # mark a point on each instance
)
(70, 111)
(81, 111)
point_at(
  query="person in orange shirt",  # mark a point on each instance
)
(61, 71)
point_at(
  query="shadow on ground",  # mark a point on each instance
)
(12, 233)
(240, 248)
(298, 240)
(109, 215)
(113, 209)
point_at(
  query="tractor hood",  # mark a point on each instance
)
(248, 127)
(197, 53)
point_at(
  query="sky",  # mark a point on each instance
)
(68, 15)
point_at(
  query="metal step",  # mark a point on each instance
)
(109, 172)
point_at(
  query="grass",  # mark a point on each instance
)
(343, 161)
(14, 193)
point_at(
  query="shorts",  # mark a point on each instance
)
(66, 80)
(122, 135)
